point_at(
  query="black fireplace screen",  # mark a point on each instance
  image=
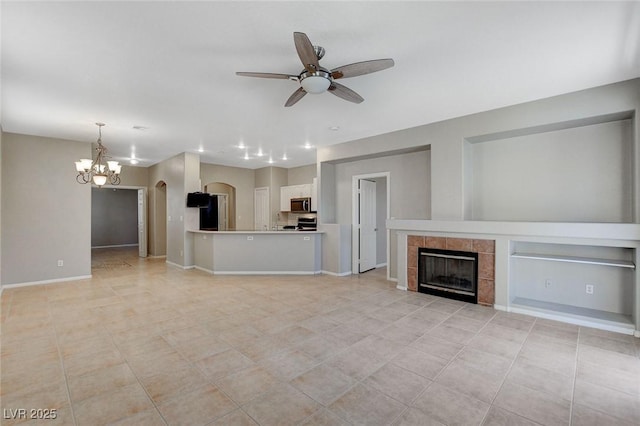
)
(448, 273)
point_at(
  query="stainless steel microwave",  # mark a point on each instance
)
(301, 205)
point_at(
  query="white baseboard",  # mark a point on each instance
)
(336, 274)
(265, 273)
(115, 246)
(500, 308)
(179, 266)
(399, 287)
(203, 269)
(381, 265)
(162, 256)
(45, 282)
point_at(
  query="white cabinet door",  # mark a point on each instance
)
(305, 190)
(285, 199)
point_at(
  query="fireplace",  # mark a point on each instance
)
(448, 273)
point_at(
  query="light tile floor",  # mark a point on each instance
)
(142, 343)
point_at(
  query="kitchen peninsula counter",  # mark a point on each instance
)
(258, 252)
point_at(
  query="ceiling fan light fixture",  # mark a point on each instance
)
(315, 84)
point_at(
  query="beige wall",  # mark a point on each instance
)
(301, 175)
(1, 133)
(241, 179)
(134, 176)
(181, 174)
(46, 214)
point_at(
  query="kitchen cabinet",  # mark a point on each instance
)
(293, 191)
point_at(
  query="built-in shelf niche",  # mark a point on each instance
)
(551, 279)
(573, 171)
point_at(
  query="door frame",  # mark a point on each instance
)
(355, 215)
(255, 192)
(141, 221)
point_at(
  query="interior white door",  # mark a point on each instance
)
(367, 223)
(223, 212)
(261, 203)
(142, 223)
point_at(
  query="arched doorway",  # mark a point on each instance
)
(227, 204)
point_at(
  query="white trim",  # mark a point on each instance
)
(577, 321)
(336, 274)
(179, 266)
(381, 265)
(399, 287)
(355, 212)
(200, 268)
(500, 308)
(162, 256)
(395, 280)
(636, 333)
(115, 246)
(44, 282)
(265, 273)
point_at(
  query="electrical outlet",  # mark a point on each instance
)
(589, 288)
(547, 283)
(60, 262)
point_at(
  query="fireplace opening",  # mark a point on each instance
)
(448, 273)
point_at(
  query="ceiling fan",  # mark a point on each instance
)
(316, 79)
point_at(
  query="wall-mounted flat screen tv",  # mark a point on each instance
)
(198, 199)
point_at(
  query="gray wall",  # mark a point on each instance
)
(409, 183)
(45, 212)
(114, 217)
(580, 174)
(448, 139)
(449, 175)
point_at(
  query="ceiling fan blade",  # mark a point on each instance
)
(345, 93)
(361, 68)
(306, 52)
(295, 97)
(267, 75)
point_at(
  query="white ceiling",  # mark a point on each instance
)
(170, 67)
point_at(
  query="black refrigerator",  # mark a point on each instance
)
(209, 215)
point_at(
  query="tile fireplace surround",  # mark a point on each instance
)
(486, 261)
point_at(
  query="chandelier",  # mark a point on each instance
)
(99, 171)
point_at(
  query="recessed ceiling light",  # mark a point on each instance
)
(201, 149)
(246, 155)
(270, 160)
(140, 127)
(307, 145)
(334, 128)
(284, 157)
(133, 161)
(260, 153)
(241, 145)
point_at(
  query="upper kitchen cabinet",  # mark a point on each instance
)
(293, 191)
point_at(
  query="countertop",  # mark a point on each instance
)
(255, 232)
